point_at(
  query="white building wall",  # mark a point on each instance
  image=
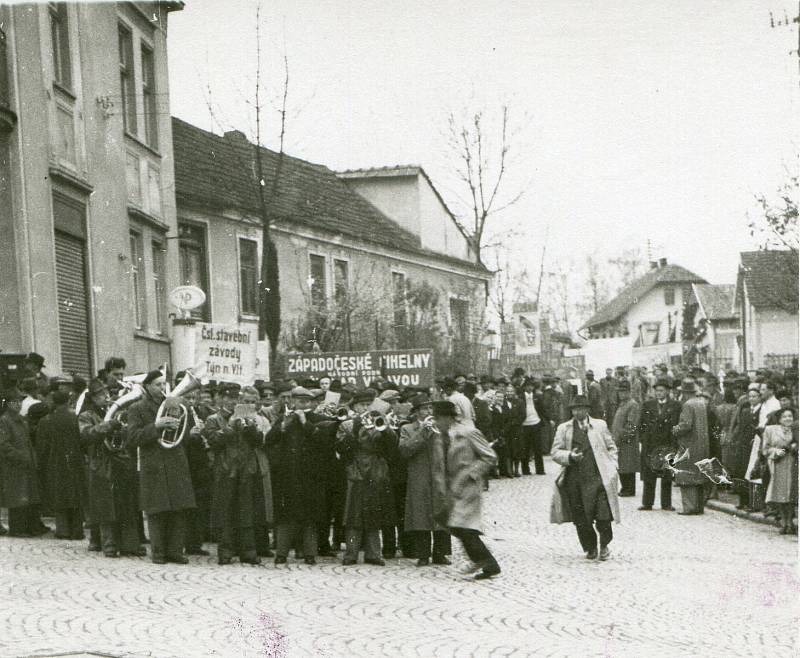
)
(776, 333)
(438, 231)
(397, 197)
(651, 308)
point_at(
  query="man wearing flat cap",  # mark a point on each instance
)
(586, 488)
(658, 417)
(165, 482)
(469, 460)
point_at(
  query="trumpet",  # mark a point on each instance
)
(115, 442)
(374, 420)
(428, 424)
(172, 404)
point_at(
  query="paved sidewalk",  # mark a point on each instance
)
(712, 585)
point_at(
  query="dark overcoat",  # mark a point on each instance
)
(59, 439)
(242, 489)
(426, 493)
(625, 432)
(164, 481)
(19, 483)
(742, 431)
(369, 503)
(655, 431)
(297, 463)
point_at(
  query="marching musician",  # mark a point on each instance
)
(114, 370)
(58, 441)
(165, 483)
(425, 448)
(233, 504)
(658, 418)
(392, 535)
(198, 520)
(297, 469)
(369, 504)
(112, 510)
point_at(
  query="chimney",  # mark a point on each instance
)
(662, 262)
(235, 135)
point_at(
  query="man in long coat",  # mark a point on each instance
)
(595, 394)
(58, 439)
(238, 499)
(165, 483)
(586, 488)
(295, 456)
(112, 508)
(609, 384)
(658, 418)
(425, 448)
(469, 459)
(19, 482)
(625, 430)
(692, 433)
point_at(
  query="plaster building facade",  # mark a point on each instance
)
(350, 257)
(642, 325)
(716, 334)
(87, 208)
(766, 297)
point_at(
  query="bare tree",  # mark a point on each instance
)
(483, 161)
(560, 304)
(511, 284)
(596, 286)
(629, 265)
(776, 224)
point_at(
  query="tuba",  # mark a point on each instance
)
(374, 420)
(116, 441)
(174, 407)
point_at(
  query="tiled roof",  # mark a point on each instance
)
(219, 172)
(633, 292)
(717, 300)
(771, 278)
(381, 172)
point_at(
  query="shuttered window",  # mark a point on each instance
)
(73, 307)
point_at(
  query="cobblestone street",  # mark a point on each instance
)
(713, 585)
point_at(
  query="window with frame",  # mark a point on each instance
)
(317, 279)
(669, 296)
(59, 36)
(248, 276)
(459, 320)
(399, 299)
(137, 280)
(149, 98)
(341, 280)
(159, 281)
(127, 79)
(193, 265)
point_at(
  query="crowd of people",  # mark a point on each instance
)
(318, 467)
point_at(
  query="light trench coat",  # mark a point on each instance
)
(469, 459)
(605, 455)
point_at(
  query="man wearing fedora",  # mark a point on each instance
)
(586, 488)
(425, 448)
(469, 459)
(624, 429)
(658, 417)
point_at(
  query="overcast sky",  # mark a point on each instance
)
(641, 120)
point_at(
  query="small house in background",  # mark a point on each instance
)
(714, 319)
(766, 299)
(642, 325)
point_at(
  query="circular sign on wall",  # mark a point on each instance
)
(186, 298)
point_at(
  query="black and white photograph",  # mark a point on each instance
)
(341, 329)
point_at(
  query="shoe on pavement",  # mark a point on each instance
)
(280, 559)
(311, 561)
(488, 572)
(347, 563)
(668, 508)
(197, 551)
(423, 562)
(441, 560)
(110, 554)
(376, 561)
(223, 561)
(140, 552)
(178, 559)
(159, 560)
(95, 548)
(250, 559)
(604, 553)
(591, 555)
(645, 508)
